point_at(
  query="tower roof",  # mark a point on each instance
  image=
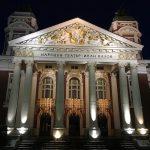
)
(24, 10)
(122, 15)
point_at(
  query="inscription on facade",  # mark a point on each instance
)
(76, 55)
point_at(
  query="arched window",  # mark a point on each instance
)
(101, 88)
(47, 91)
(74, 88)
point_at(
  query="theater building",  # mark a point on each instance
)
(74, 78)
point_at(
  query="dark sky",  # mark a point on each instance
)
(98, 12)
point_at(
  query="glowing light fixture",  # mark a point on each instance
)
(129, 130)
(9, 130)
(143, 131)
(94, 133)
(22, 130)
(58, 133)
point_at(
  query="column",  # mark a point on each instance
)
(87, 99)
(115, 103)
(58, 131)
(94, 131)
(26, 95)
(33, 97)
(12, 107)
(136, 97)
(18, 116)
(124, 97)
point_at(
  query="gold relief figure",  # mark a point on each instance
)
(76, 34)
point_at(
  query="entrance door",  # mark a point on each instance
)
(103, 125)
(74, 125)
(45, 124)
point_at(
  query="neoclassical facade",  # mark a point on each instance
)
(74, 78)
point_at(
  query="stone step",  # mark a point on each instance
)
(76, 144)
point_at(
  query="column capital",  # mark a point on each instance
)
(17, 62)
(29, 62)
(133, 65)
(60, 64)
(35, 74)
(122, 65)
(114, 74)
(91, 65)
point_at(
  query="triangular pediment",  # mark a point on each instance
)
(75, 32)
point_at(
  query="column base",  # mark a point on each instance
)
(94, 132)
(58, 133)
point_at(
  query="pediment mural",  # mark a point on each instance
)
(75, 32)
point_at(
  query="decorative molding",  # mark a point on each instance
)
(122, 64)
(127, 55)
(128, 30)
(23, 53)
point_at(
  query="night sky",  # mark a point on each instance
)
(98, 12)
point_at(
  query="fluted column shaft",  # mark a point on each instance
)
(136, 97)
(115, 103)
(18, 116)
(26, 94)
(92, 97)
(33, 98)
(12, 107)
(124, 97)
(59, 122)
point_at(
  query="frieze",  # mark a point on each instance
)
(103, 54)
(75, 34)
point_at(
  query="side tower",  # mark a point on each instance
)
(20, 23)
(126, 26)
(135, 74)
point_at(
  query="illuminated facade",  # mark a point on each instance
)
(73, 78)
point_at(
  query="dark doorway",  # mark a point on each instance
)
(45, 124)
(74, 125)
(103, 124)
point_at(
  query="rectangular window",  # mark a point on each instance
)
(74, 67)
(48, 66)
